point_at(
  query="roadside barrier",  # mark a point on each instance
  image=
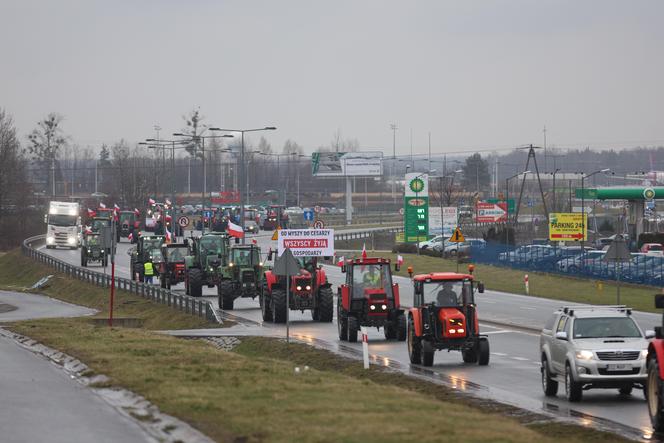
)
(366, 234)
(180, 302)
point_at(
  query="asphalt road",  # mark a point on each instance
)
(513, 375)
(39, 401)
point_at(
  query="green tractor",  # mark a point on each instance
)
(148, 248)
(246, 275)
(93, 248)
(208, 263)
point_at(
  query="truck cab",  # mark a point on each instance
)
(63, 225)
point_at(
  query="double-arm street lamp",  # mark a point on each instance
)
(199, 140)
(243, 166)
(583, 204)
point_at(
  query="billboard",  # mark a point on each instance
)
(346, 164)
(306, 242)
(565, 226)
(491, 212)
(448, 221)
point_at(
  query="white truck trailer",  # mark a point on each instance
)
(63, 225)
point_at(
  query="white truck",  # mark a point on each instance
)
(63, 225)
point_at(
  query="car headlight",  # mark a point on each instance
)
(50, 240)
(584, 355)
(644, 353)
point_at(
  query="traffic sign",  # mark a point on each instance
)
(316, 209)
(306, 242)
(183, 221)
(457, 237)
(567, 226)
(286, 264)
(275, 235)
(308, 215)
(319, 224)
(617, 251)
(207, 214)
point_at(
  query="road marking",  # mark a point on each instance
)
(500, 354)
(520, 358)
(498, 332)
(527, 308)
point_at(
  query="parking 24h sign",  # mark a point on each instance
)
(306, 242)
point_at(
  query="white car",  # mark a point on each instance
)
(586, 347)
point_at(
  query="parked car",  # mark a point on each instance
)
(653, 248)
(588, 347)
(572, 264)
(463, 248)
(430, 243)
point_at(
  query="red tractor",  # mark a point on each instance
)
(309, 290)
(654, 391)
(369, 298)
(444, 316)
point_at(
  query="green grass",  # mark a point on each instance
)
(17, 273)
(541, 284)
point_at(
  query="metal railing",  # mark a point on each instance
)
(365, 234)
(180, 302)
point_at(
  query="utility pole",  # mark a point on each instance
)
(394, 128)
(429, 168)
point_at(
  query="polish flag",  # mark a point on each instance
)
(168, 218)
(137, 212)
(364, 251)
(341, 261)
(151, 202)
(168, 202)
(234, 230)
(130, 236)
(91, 213)
(116, 207)
(254, 241)
(399, 260)
(101, 205)
(169, 238)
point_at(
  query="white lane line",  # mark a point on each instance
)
(527, 308)
(520, 358)
(498, 332)
(499, 354)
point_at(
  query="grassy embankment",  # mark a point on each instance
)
(253, 394)
(541, 284)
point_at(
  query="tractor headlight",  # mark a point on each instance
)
(383, 307)
(308, 288)
(372, 307)
(299, 288)
(230, 264)
(50, 240)
(460, 331)
(260, 264)
(90, 250)
(452, 331)
(584, 355)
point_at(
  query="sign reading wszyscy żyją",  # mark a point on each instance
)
(306, 242)
(416, 208)
(565, 226)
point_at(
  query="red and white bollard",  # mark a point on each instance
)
(365, 346)
(525, 281)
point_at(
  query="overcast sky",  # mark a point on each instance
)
(476, 74)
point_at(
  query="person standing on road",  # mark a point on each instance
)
(148, 273)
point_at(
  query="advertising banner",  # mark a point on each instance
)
(566, 226)
(491, 212)
(347, 164)
(448, 221)
(306, 242)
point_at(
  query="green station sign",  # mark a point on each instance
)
(416, 208)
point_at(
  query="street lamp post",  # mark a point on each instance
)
(507, 206)
(442, 213)
(554, 187)
(242, 165)
(583, 206)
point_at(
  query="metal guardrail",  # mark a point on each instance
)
(183, 303)
(368, 233)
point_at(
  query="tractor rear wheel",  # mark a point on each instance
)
(427, 358)
(264, 301)
(654, 396)
(325, 305)
(195, 282)
(353, 326)
(483, 352)
(390, 331)
(401, 328)
(414, 344)
(279, 305)
(225, 295)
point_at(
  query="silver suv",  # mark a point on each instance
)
(588, 347)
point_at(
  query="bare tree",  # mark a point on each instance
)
(12, 167)
(194, 128)
(46, 141)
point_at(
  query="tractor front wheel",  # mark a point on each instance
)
(483, 352)
(325, 305)
(390, 331)
(195, 282)
(279, 305)
(265, 305)
(353, 326)
(225, 295)
(469, 355)
(414, 344)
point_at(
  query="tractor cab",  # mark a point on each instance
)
(369, 298)
(246, 275)
(99, 223)
(444, 316)
(171, 269)
(247, 256)
(127, 223)
(93, 248)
